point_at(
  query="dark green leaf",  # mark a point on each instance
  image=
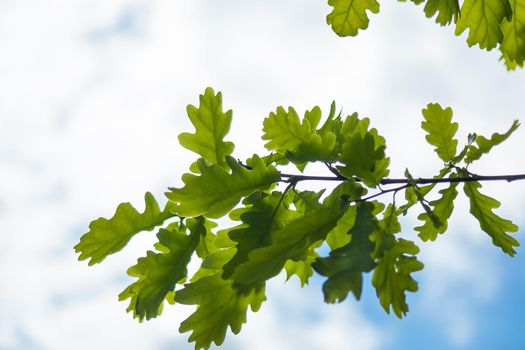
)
(290, 242)
(262, 215)
(447, 10)
(158, 273)
(215, 192)
(345, 266)
(106, 237)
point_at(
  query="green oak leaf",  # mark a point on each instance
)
(348, 16)
(158, 273)
(483, 19)
(484, 145)
(211, 126)
(106, 237)
(392, 279)
(513, 44)
(302, 268)
(443, 208)
(447, 10)
(395, 262)
(300, 141)
(440, 129)
(219, 306)
(363, 152)
(481, 207)
(262, 215)
(345, 266)
(216, 191)
(290, 242)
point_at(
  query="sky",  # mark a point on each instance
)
(93, 96)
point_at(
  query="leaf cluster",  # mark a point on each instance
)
(490, 23)
(279, 227)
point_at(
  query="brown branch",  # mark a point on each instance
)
(418, 181)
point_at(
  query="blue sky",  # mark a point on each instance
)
(93, 96)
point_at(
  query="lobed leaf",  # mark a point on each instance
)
(392, 276)
(290, 242)
(158, 273)
(447, 10)
(484, 145)
(440, 129)
(219, 306)
(481, 207)
(211, 126)
(299, 141)
(395, 262)
(344, 266)
(513, 44)
(108, 236)
(348, 16)
(301, 268)
(216, 191)
(443, 208)
(363, 152)
(483, 19)
(262, 215)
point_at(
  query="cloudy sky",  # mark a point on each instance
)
(93, 96)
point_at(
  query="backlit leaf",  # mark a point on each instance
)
(216, 191)
(345, 266)
(513, 44)
(348, 16)
(290, 242)
(442, 208)
(219, 306)
(262, 215)
(440, 130)
(483, 18)
(481, 207)
(392, 278)
(484, 145)
(447, 10)
(108, 236)
(300, 141)
(363, 152)
(158, 272)
(211, 126)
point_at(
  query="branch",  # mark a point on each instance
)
(420, 181)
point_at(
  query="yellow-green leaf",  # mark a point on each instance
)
(440, 130)
(348, 16)
(216, 191)
(483, 19)
(108, 236)
(481, 207)
(513, 44)
(484, 145)
(211, 126)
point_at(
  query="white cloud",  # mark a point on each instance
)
(92, 98)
